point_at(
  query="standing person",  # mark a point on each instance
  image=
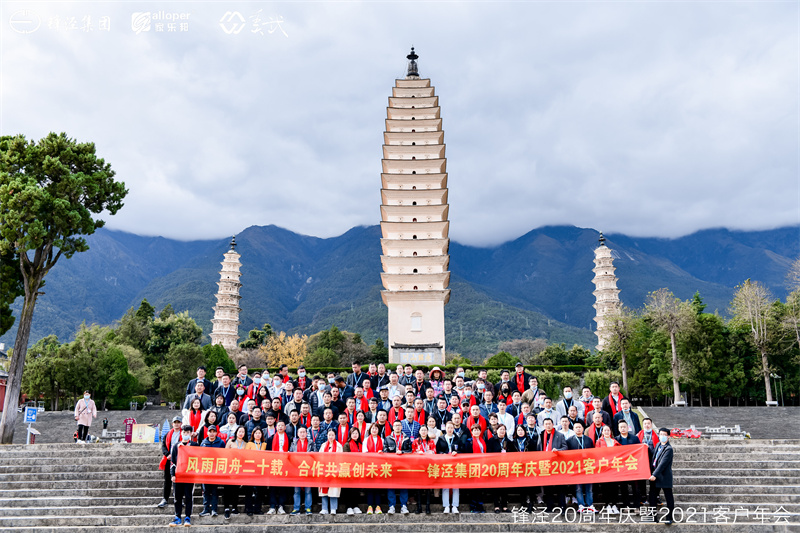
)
(172, 438)
(279, 442)
(302, 444)
(549, 441)
(629, 489)
(609, 491)
(563, 405)
(500, 444)
(228, 430)
(85, 410)
(353, 445)
(330, 495)
(210, 490)
(522, 380)
(194, 416)
(583, 492)
(476, 444)
(626, 414)
(662, 474)
(242, 378)
(254, 495)
(612, 403)
(424, 445)
(451, 445)
(238, 442)
(183, 491)
(397, 443)
(373, 444)
(201, 376)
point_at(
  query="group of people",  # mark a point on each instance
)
(405, 412)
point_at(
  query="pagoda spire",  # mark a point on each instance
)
(413, 72)
(414, 222)
(225, 324)
(607, 304)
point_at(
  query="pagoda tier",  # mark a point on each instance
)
(607, 304)
(415, 221)
(225, 324)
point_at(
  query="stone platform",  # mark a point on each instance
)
(760, 422)
(739, 486)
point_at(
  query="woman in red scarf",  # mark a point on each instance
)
(237, 442)
(254, 495)
(353, 444)
(607, 492)
(209, 420)
(373, 443)
(424, 445)
(360, 424)
(476, 444)
(195, 417)
(330, 495)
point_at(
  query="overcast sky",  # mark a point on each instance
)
(647, 118)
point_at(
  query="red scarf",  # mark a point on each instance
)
(362, 428)
(302, 445)
(305, 420)
(421, 417)
(374, 444)
(424, 445)
(521, 419)
(595, 433)
(547, 441)
(395, 416)
(276, 445)
(472, 421)
(301, 383)
(399, 440)
(195, 417)
(205, 430)
(362, 404)
(614, 406)
(478, 445)
(520, 380)
(328, 447)
(342, 433)
(354, 446)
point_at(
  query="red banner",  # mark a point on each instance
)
(412, 471)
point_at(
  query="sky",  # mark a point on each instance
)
(644, 118)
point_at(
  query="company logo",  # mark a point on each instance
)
(232, 22)
(25, 21)
(140, 22)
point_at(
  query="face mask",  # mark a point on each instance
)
(301, 374)
(330, 380)
(626, 411)
(256, 380)
(186, 436)
(481, 387)
(461, 374)
(567, 395)
(468, 393)
(663, 439)
(277, 383)
(86, 396)
(240, 392)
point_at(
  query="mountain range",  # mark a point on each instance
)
(538, 285)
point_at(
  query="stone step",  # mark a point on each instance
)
(78, 483)
(712, 471)
(46, 469)
(716, 479)
(739, 489)
(751, 464)
(680, 443)
(67, 460)
(103, 476)
(770, 499)
(341, 523)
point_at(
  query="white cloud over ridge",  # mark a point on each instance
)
(653, 119)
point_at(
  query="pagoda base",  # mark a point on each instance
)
(421, 354)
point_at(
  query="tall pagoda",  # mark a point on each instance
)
(414, 221)
(225, 324)
(606, 293)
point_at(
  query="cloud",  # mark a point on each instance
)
(643, 118)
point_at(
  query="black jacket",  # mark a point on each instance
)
(559, 442)
(443, 447)
(390, 444)
(177, 447)
(574, 444)
(528, 445)
(662, 468)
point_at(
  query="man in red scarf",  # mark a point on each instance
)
(475, 418)
(343, 431)
(551, 440)
(399, 444)
(476, 444)
(302, 444)
(611, 403)
(521, 379)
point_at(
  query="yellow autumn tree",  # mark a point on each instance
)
(281, 349)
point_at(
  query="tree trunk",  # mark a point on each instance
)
(624, 370)
(14, 383)
(764, 370)
(675, 385)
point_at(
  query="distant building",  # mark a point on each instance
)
(225, 324)
(606, 293)
(414, 221)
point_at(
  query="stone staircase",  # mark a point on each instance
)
(71, 487)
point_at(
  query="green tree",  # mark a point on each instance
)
(145, 377)
(321, 358)
(214, 356)
(503, 359)
(167, 312)
(43, 366)
(49, 192)
(620, 331)
(380, 352)
(10, 288)
(181, 362)
(174, 330)
(257, 337)
(671, 315)
(752, 307)
(133, 328)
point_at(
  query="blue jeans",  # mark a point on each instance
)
(583, 493)
(210, 497)
(297, 497)
(402, 493)
(334, 503)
